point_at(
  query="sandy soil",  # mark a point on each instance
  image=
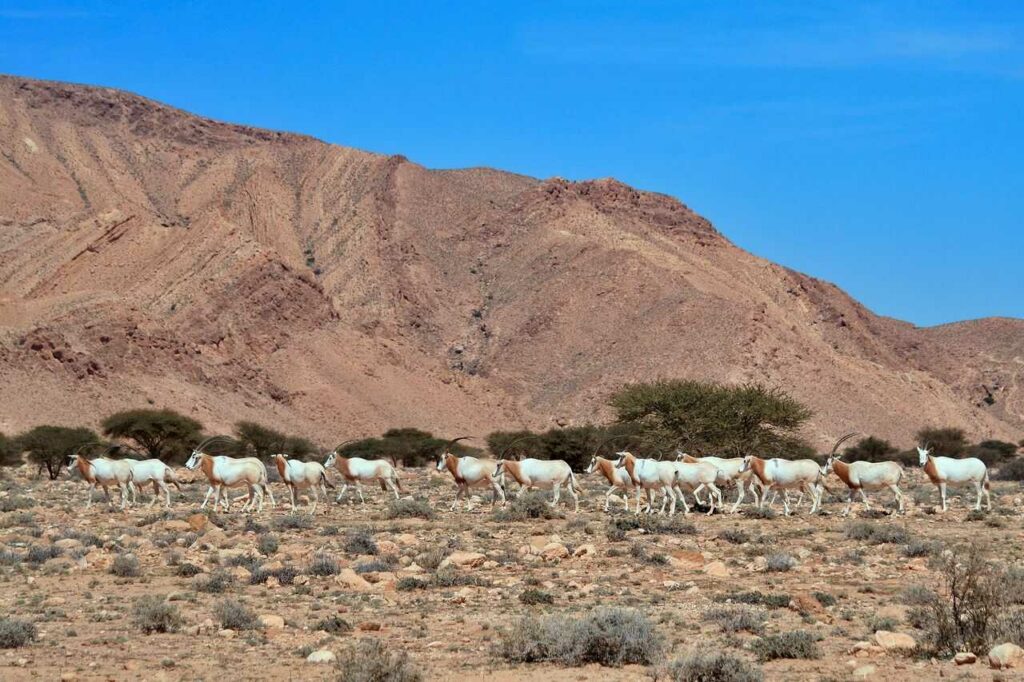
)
(86, 629)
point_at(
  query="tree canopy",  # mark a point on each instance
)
(49, 446)
(163, 434)
(409, 446)
(943, 442)
(708, 418)
(261, 441)
(10, 453)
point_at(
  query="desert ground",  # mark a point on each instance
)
(358, 574)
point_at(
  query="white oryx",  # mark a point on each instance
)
(945, 471)
(356, 470)
(650, 475)
(785, 474)
(298, 475)
(543, 474)
(470, 472)
(863, 476)
(618, 478)
(155, 472)
(231, 472)
(730, 472)
(696, 476)
(103, 473)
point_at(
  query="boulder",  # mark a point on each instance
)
(965, 658)
(585, 551)
(321, 656)
(464, 560)
(717, 569)
(891, 641)
(554, 551)
(197, 522)
(272, 621)
(175, 526)
(352, 580)
(1005, 656)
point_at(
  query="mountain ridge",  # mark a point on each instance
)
(157, 257)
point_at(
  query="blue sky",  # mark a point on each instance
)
(876, 145)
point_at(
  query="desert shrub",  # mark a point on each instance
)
(409, 583)
(734, 536)
(917, 595)
(738, 619)
(285, 575)
(532, 596)
(126, 566)
(652, 525)
(16, 502)
(370, 660)
(38, 554)
(779, 563)
(639, 552)
(360, 541)
(293, 521)
(406, 509)
(607, 636)
(323, 564)
(794, 644)
(432, 558)
(249, 562)
(772, 601)
(887, 623)
(532, 505)
(16, 633)
(219, 581)
(1012, 470)
(153, 613)
(335, 625)
(824, 598)
(267, 544)
(450, 577)
(187, 570)
(378, 565)
(973, 607)
(992, 452)
(765, 513)
(921, 548)
(710, 666)
(878, 533)
(234, 615)
(9, 557)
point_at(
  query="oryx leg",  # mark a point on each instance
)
(739, 498)
(557, 488)
(316, 499)
(291, 491)
(359, 489)
(344, 487)
(715, 492)
(864, 496)
(899, 495)
(977, 489)
(942, 494)
(498, 493)
(849, 501)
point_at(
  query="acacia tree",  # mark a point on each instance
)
(708, 418)
(410, 446)
(870, 449)
(49, 446)
(264, 441)
(10, 453)
(944, 442)
(163, 434)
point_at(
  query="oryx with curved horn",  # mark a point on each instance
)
(786, 474)
(101, 472)
(943, 471)
(544, 474)
(231, 472)
(356, 470)
(650, 475)
(618, 478)
(299, 475)
(730, 472)
(470, 472)
(863, 476)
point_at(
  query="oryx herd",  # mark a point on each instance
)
(625, 473)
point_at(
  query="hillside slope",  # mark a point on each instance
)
(155, 257)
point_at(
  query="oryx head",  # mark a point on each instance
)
(621, 457)
(835, 454)
(747, 459)
(199, 451)
(592, 467)
(442, 461)
(922, 454)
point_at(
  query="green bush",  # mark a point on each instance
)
(738, 619)
(1013, 470)
(878, 533)
(360, 541)
(16, 633)
(322, 565)
(607, 636)
(219, 581)
(234, 615)
(153, 613)
(711, 666)
(267, 544)
(335, 625)
(794, 644)
(126, 566)
(532, 505)
(371, 660)
(407, 509)
(532, 596)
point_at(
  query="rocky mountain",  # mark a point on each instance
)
(150, 256)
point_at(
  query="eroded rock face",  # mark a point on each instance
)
(148, 243)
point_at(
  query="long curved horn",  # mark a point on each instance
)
(83, 446)
(121, 446)
(344, 443)
(212, 439)
(517, 440)
(842, 440)
(453, 441)
(609, 440)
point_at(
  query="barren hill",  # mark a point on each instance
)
(153, 256)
